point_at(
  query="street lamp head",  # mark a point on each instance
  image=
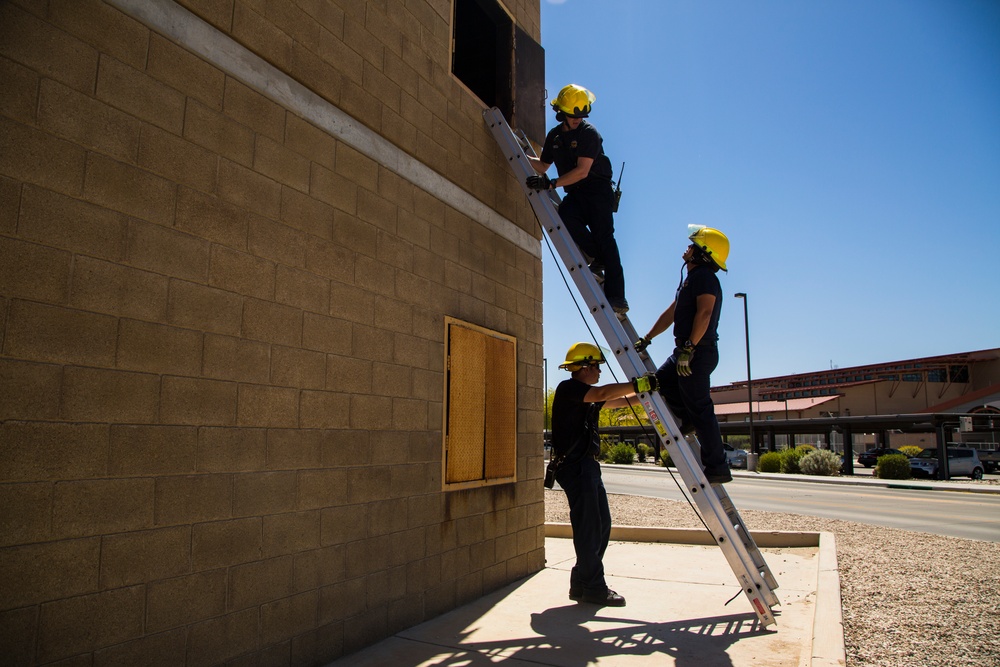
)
(741, 295)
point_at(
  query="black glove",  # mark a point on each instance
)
(641, 344)
(684, 356)
(539, 182)
(645, 383)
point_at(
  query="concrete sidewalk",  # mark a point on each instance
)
(676, 613)
(677, 583)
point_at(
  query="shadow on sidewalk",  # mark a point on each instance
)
(566, 640)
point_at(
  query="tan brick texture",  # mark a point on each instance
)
(222, 352)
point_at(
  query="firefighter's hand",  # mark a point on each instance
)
(538, 182)
(684, 356)
(641, 344)
(645, 383)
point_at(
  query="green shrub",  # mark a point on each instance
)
(790, 459)
(769, 462)
(892, 466)
(621, 454)
(820, 462)
(665, 459)
(605, 450)
(910, 450)
(643, 450)
(739, 441)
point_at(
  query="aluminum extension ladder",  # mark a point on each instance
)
(714, 504)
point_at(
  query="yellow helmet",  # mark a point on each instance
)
(580, 355)
(574, 101)
(712, 242)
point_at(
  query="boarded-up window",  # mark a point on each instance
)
(480, 439)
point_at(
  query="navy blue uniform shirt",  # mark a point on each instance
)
(700, 280)
(574, 422)
(562, 147)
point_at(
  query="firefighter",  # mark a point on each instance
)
(587, 209)
(576, 445)
(685, 378)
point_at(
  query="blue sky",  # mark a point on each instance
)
(849, 149)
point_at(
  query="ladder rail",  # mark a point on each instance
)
(717, 509)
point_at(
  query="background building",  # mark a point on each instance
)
(965, 382)
(270, 324)
(911, 402)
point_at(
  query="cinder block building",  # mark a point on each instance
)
(270, 324)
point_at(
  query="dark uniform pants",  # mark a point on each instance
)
(590, 517)
(690, 399)
(589, 220)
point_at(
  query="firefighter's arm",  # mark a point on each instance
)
(608, 393)
(663, 322)
(538, 165)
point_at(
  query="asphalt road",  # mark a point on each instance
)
(968, 515)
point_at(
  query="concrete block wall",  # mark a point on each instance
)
(222, 337)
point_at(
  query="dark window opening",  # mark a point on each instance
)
(500, 64)
(484, 51)
(958, 373)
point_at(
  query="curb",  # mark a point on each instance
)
(696, 536)
(828, 647)
(849, 481)
(887, 483)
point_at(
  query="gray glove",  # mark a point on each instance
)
(684, 356)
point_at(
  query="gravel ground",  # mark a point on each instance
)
(909, 599)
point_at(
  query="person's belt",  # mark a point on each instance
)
(712, 343)
(592, 182)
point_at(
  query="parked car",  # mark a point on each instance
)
(962, 462)
(736, 458)
(990, 458)
(869, 458)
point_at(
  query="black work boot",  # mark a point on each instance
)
(719, 475)
(606, 599)
(620, 306)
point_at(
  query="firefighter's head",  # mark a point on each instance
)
(573, 101)
(708, 246)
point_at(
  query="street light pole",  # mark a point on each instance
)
(746, 326)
